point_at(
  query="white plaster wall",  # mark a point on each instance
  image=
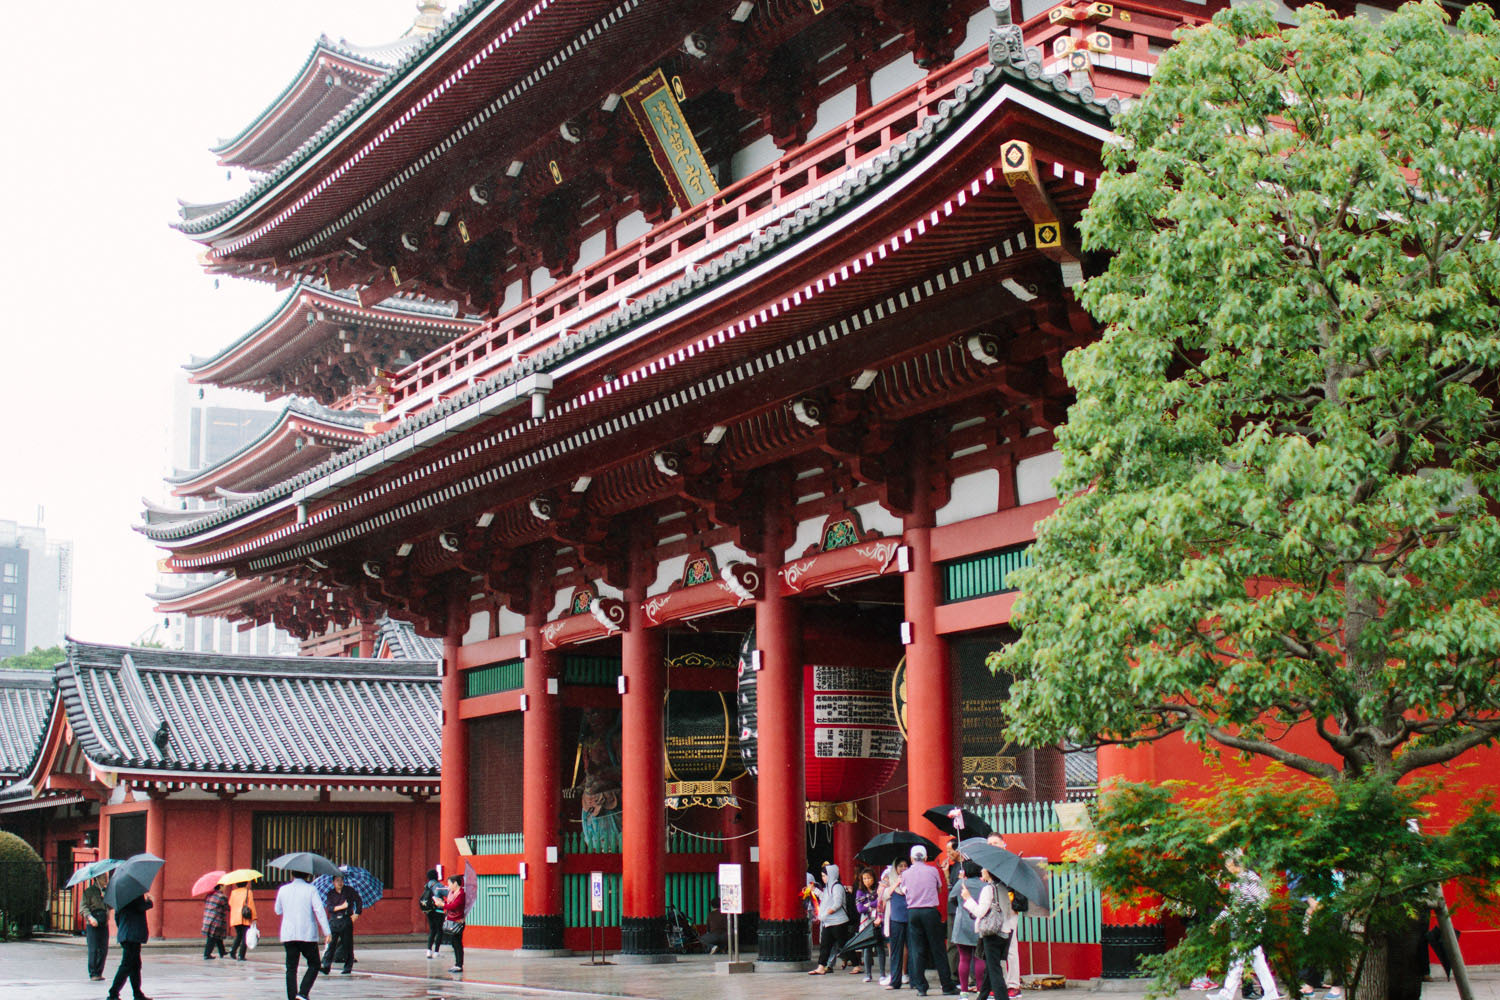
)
(541, 280)
(668, 572)
(978, 32)
(728, 552)
(1034, 477)
(510, 622)
(631, 228)
(479, 627)
(590, 250)
(973, 495)
(833, 112)
(894, 78)
(560, 603)
(605, 590)
(876, 518)
(807, 534)
(762, 152)
(512, 296)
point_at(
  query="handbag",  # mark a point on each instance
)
(453, 926)
(991, 923)
(252, 937)
(246, 913)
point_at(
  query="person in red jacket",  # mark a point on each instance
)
(453, 920)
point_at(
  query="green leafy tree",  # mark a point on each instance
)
(37, 659)
(1282, 462)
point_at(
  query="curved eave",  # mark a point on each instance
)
(274, 455)
(218, 598)
(282, 336)
(307, 98)
(233, 533)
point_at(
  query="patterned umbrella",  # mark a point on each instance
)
(361, 881)
(92, 870)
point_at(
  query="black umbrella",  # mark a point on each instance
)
(974, 824)
(1010, 868)
(864, 938)
(886, 848)
(131, 878)
(306, 863)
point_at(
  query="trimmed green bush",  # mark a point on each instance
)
(23, 887)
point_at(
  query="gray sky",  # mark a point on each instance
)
(110, 109)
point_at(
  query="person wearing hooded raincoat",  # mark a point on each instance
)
(833, 915)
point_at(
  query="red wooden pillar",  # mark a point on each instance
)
(932, 764)
(541, 790)
(1126, 933)
(156, 843)
(782, 779)
(224, 835)
(643, 896)
(453, 811)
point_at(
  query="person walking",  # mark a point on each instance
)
(215, 922)
(96, 925)
(131, 920)
(1013, 956)
(1246, 914)
(431, 905)
(833, 918)
(343, 905)
(454, 911)
(895, 921)
(871, 914)
(923, 885)
(992, 897)
(971, 963)
(302, 917)
(241, 916)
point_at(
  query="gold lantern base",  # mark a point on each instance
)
(832, 812)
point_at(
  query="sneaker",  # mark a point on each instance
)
(456, 968)
(869, 979)
(1203, 983)
(885, 980)
(1334, 994)
(1012, 993)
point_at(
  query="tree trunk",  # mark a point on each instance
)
(1406, 959)
(1372, 969)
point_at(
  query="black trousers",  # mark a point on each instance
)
(925, 930)
(341, 943)
(996, 951)
(238, 949)
(305, 950)
(97, 937)
(899, 957)
(130, 969)
(831, 942)
(209, 940)
(456, 938)
(434, 930)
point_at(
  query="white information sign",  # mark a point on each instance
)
(731, 898)
(596, 892)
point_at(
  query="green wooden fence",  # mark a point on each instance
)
(508, 675)
(498, 902)
(594, 671)
(983, 574)
(677, 843)
(1075, 909)
(1021, 817)
(691, 891)
(576, 911)
(497, 843)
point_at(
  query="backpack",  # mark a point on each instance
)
(851, 906)
(424, 901)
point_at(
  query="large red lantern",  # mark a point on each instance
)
(853, 741)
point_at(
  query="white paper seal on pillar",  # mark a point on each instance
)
(746, 703)
(702, 741)
(853, 741)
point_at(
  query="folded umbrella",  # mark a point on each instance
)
(887, 848)
(92, 870)
(1010, 868)
(305, 863)
(131, 878)
(862, 939)
(973, 824)
(207, 881)
(471, 888)
(369, 888)
(240, 875)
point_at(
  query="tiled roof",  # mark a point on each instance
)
(25, 702)
(402, 640)
(1025, 70)
(295, 406)
(174, 713)
(1081, 767)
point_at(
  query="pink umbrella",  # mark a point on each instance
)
(207, 881)
(471, 887)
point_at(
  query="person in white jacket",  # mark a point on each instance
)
(302, 917)
(834, 919)
(994, 896)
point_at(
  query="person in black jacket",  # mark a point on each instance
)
(343, 909)
(131, 919)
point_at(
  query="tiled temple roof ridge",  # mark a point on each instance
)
(26, 698)
(1026, 70)
(295, 406)
(377, 89)
(407, 307)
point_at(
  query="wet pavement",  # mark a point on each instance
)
(54, 970)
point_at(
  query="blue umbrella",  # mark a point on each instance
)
(92, 870)
(359, 879)
(131, 879)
